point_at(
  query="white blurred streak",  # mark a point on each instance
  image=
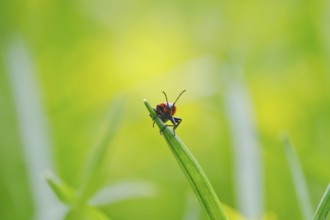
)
(123, 191)
(192, 211)
(247, 159)
(33, 128)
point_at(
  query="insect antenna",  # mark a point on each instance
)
(178, 97)
(166, 98)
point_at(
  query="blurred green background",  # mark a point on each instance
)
(253, 71)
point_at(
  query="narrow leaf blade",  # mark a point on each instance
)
(194, 173)
(323, 208)
(63, 192)
(98, 153)
(299, 180)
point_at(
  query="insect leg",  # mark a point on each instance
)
(175, 121)
(178, 121)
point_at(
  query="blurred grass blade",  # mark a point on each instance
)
(194, 173)
(248, 164)
(99, 151)
(63, 192)
(324, 206)
(31, 122)
(123, 191)
(299, 180)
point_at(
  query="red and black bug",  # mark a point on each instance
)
(166, 110)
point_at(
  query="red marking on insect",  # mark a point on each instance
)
(166, 110)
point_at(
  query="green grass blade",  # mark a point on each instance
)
(97, 155)
(299, 180)
(63, 192)
(194, 173)
(324, 207)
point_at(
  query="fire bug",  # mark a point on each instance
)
(166, 110)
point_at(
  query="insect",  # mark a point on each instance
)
(165, 112)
